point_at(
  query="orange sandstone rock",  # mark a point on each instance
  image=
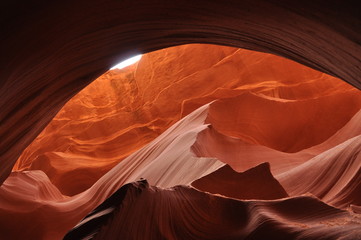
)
(277, 103)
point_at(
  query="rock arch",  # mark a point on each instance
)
(52, 49)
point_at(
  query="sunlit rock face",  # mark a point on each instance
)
(195, 142)
(268, 101)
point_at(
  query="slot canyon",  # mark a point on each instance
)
(241, 120)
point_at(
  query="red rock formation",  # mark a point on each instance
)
(333, 176)
(125, 109)
(168, 161)
(184, 213)
(51, 50)
(255, 183)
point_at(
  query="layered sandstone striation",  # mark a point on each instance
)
(50, 50)
(268, 101)
(194, 142)
(184, 213)
(169, 161)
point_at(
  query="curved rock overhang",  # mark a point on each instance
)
(50, 50)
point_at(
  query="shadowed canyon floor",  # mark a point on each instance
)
(195, 142)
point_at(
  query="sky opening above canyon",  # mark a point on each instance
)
(127, 62)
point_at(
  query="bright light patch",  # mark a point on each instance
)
(127, 62)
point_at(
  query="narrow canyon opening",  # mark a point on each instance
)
(236, 123)
(262, 100)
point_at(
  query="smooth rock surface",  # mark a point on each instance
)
(267, 101)
(50, 50)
